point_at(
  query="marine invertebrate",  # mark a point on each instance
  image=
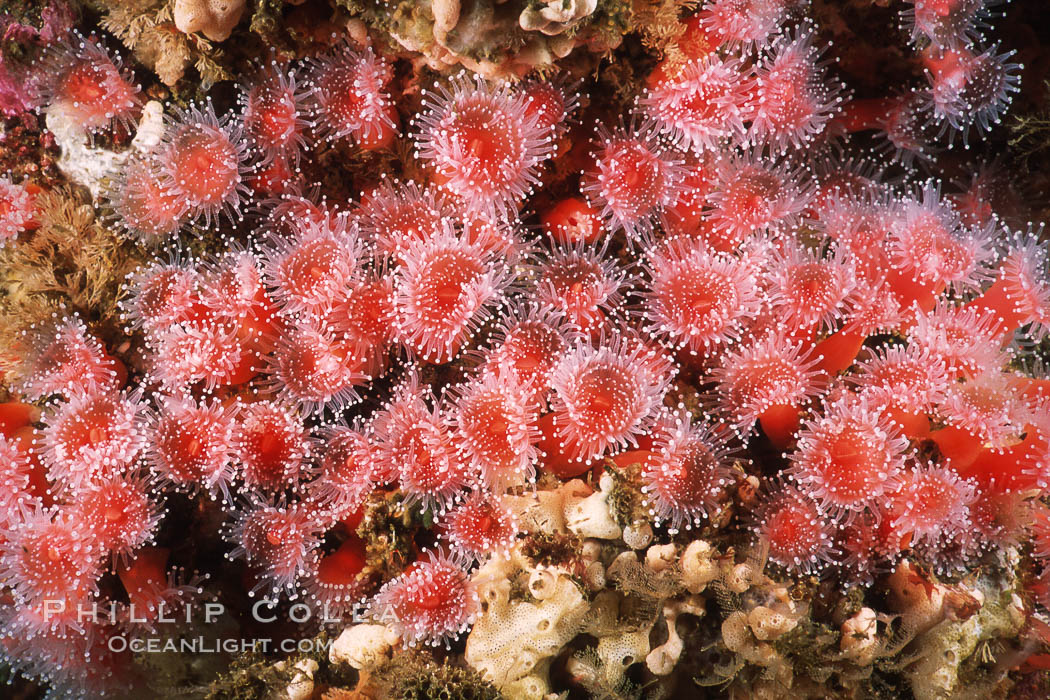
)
(928, 240)
(51, 557)
(119, 513)
(753, 195)
(483, 142)
(310, 269)
(363, 316)
(337, 582)
(191, 445)
(161, 295)
(496, 428)
(553, 102)
(212, 18)
(931, 504)
(685, 216)
(233, 286)
(76, 662)
(204, 162)
(743, 24)
(851, 183)
(698, 298)
(394, 215)
(348, 470)
(907, 382)
(65, 359)
(579, 284)
(336, 383)
(606, 396)
(92, 437)
(432, 602)
(705, 104)
(17, 210)
(1020, 294)
(962, 337)
(572, 220)
(1040, 528)
(875, 309)
(986, 409)
(634, 177)
(413, 440)
(505, 238)
(207, 353)
(906, 128)
(866, 547)
(970, 89)
(794, 529)
(527, 345)
(858, 224)
(768, 381)
(279, 541)
(480, 526)
(809, 292)
(88, 85)
(274, 118)
(511, 642)
(348, 98)
(152, 588)
(849, 457)
(445, 289)
(271, 446)
(950, 23)
(234, 292)
(286, 214)
(793, 99)
(554, 19)
(685, 472)
(988, 195)
(18, 497)
(314, 368)
(145, 206)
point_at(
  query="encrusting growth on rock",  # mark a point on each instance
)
(523, 350)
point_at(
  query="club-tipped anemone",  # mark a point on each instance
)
(204, 162)
(797, 535)
(848, 457)
(432, 603)
(634, 178)
(698, 298)
(607, 395)
(483, 142)
(686, 473)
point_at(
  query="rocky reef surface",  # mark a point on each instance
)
(358, 350)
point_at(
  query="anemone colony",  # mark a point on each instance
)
(821, 357)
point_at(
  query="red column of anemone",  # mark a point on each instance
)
(780, 423)
(1015, 469)
(145, 577)
(838, 351)
(1006, 313)
(865, 115)
(960, 447)
(15, 415)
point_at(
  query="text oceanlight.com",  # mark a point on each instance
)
(263, 611)
(202, 645)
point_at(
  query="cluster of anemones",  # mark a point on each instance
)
(207, 165)
(79, 504)
(968, 81)
(720, 252)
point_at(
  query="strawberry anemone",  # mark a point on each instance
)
(433, 602)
